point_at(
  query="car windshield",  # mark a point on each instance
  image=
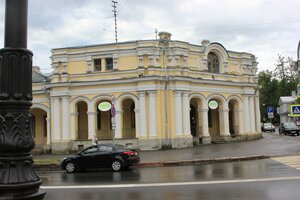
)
(290, 125)
(268, 125)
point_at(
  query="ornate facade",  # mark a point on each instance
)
(160, 88)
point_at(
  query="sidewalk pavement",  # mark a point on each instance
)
(271, 145)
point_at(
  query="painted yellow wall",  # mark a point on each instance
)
(128, 62)
(77, 67)
(40, 126)
(193, 61)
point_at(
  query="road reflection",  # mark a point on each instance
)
(221, 171)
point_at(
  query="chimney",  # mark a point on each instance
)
(36, 69)
(165, 36)
(205, 42)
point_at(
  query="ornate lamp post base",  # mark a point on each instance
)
(18, 179)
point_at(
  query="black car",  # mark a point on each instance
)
(289, 128)
(115, 157)
(265, 127)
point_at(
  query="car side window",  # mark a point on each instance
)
(90, 150)
(105, 148)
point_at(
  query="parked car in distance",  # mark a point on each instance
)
(115, 157)
(265, 127)
(289, 128)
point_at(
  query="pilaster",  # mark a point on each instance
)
(224, 121)
(152, 113)
(252, 114)
(92, 115)
(178, 113)
(246, 115)
(205, 129)
(118, 117)
(56, 119)
(73, 125)
(65, 118)
(186, 113)
(143, 117)
(257, 112)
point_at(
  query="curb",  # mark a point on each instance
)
(56, 167)
(201, 161)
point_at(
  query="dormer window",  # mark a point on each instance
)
(213, 63)
(109, 63)
(97, 64)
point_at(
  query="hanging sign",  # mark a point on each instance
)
(104, 106)
(213, 104)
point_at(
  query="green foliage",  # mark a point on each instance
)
(274, 84)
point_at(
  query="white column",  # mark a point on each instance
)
(56, 119)
(65, 119)
(178, 113)
(224, 120)
(91, 123)
(258, 129)
(246, 115)
(239, 114)
(143, 127)
(118, 117)
(205, 130)
(137, 122)
(252, 114)
(48, 121)
(186, 113)
(73, 125)
(152, 113)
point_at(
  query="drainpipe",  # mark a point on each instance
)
(164, 38)
(49, 98)
(166, 98)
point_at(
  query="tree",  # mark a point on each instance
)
(268, 93)
(285, 69)
(275, 84)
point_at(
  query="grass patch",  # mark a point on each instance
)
(47, 161)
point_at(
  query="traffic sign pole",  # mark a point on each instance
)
(113, 120)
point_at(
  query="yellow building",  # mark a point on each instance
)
(161, 90)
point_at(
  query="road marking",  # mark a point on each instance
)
(292, 161)
(170, 184)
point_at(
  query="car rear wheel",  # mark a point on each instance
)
(116, 165)
(70, 167)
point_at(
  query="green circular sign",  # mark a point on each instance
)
(104, 106)
(213, 104)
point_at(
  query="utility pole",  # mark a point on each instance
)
(156, 32)
(298, 61)
(18, 179)
(115, 15)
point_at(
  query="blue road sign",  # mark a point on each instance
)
(113, 111)
(295, 110)
(270, 109)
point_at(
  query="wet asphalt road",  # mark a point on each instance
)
(259, 179)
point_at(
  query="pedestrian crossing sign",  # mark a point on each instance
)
(295, 110)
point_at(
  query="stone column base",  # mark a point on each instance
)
(182, 142)
(205, 140)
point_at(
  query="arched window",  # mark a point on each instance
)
(213, 63)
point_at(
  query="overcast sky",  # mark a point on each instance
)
(264, 28)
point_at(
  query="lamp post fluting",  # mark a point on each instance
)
(18, 179)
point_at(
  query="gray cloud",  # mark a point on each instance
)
(265, 28)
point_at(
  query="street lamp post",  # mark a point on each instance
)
(18, 179)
